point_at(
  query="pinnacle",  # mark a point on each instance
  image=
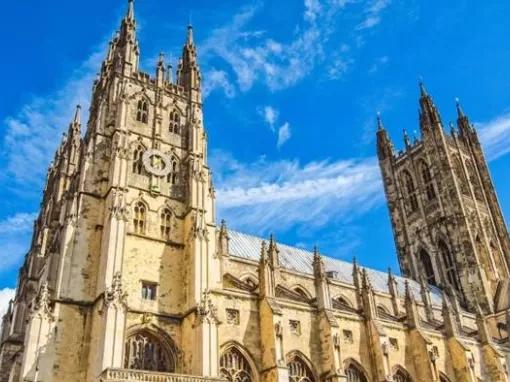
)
(77, 115)
(190, 34)
(131, 10)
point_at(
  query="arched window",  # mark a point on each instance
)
(142, 112)
(411, 191)
(299, 371)
(234, 367)
(427, 181)
(427, 267)
(145, 351)
(172, 176)
(175, 122)
(302, 293)
(341, 303)
(355, 374)
(166, 218)
(139, 218)
(138, 160)
(401, 376)
(449, 264)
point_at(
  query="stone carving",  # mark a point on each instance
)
(41, 305)
(161, 166)
(114, 296)
(207, 311)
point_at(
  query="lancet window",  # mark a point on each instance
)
(411, 191)
(175, 122)
(449, 264)
(234, 367)
(427, 267)
(172, 176)
(299, 370)
(139, 217)
(145, 351)
(401, 376)
(354, 374)
(427, 181)
(166, 218)
(142, 112)
(138, 160)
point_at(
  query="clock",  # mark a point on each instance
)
(157, 163)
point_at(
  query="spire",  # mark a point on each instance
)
(460, 112)
(429, 116)
(318, 264)
(77, 115)
(393, 289)
(131, 10)
(463, 123)
(125, 45)
(412, 315)
(188, 73)
(384, 145)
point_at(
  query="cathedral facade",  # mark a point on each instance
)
(129, 278)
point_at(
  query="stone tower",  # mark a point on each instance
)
(447, 222)
(127, 220)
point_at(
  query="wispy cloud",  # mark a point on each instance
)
(270, 115)
(218, 79)
(255, 56)
(284, 134)
(20, 222)
(6, 295)
(495, 136)
(266, 195)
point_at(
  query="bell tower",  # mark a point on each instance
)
(447, 223)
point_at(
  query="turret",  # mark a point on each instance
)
(429, 115)
(384, 145)
(160, 70)
(126, 52)
(321, 281)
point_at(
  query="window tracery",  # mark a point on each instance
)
(354, 374)
(299, 370)
(449, 264)
(234, 367)
(172, 177)
(427, 267)
(411, 191)
(142, 112)
(427, 181)
(401, 376)
(175, 122)
(145, 351)
(166, 219)
(138, 160)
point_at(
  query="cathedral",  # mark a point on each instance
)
(130, 278)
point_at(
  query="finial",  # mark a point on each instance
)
(452, 129)
(380, 125)
(190, 34)
(131, 10)
(316, 253)
(77, 116)
(460, 112)
(423, 91)
(407, 141)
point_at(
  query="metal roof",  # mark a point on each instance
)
(300, 260)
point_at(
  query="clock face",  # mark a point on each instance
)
(157, 163)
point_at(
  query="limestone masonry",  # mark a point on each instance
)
(129, 278)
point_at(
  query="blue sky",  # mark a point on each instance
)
(292, 89)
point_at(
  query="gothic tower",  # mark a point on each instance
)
(447, 222)
(127, 220)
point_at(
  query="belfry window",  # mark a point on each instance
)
(451, 274)
(411, 191)
(172, 175)
(138, 160)
(145, 351)
(427, 181)
(354, 374)
(427, 267)
(166, 218)
(142, 112)
(234, 367)
(299, 370)
(139, 218)
(175, 122)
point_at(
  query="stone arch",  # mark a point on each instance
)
(426, 262)
(166, 218)
(354, 371)
(301, 290)
(400, 374)
(300, 367)
(342, 302)
(250, 278)
(150, 348)
(236, 363)
(140, 210)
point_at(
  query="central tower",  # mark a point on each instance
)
(448, 226)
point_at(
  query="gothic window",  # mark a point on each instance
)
(138, 160)
(139, 218)
(427, 181)
(175, 122)
(442, 378)
(166, 218)
(411, 191)
(299, 370)
(341, 303)
(142, 112)
(427, 267)
(145, 351)
(354, 374)
(449, 264)
(401, 376)
(172, 177)
(234, 367)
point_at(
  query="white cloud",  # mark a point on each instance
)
(264, 195)
(270, 115)
(217, 79)
(34, 132)
(373, 14)
(495, 136)
(20, 222)
(284, 134)
(6, 295)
